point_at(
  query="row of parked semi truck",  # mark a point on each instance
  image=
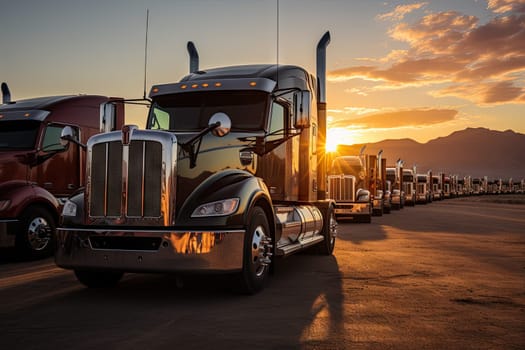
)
(364, 186)
(229, 174)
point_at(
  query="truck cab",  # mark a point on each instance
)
(347, 185)
(422, 191)
(228, 176)
(37, 171)
(409, 187)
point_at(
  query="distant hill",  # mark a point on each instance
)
(474, 151)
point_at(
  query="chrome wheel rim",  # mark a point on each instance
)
(38, 233)
(260, 251)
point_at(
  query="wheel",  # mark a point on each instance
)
(98, 279)
(258, 251)
(36, 236)
(326, 247)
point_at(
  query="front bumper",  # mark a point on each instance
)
(353, 209)
(150, 251)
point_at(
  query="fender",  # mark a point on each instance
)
(226, 184)
(22, 194)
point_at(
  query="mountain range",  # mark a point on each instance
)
(476, 152)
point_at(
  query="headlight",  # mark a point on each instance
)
(218, 208)
(70, 209)
(4, 204)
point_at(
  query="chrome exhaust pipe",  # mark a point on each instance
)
(321, 66)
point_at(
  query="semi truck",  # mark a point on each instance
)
(437, 191)
(409, 187)
(376, 176)
(422, 189)
(393, 174)
(228, 176)
(348, 187)
(37, 171)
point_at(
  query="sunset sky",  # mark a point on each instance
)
(396, 69)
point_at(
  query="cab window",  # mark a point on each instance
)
(51, 141)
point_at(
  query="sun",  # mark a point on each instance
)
(335, 137)
(331, 144)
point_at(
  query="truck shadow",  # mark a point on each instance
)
(301, 306)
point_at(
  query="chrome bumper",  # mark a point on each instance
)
(150, 251)
(352, 209)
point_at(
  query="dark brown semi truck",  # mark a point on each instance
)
(229, 175)
(37, 171)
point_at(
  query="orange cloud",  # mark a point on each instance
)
(397, 119)
(490, 93)
(401, 11)
(449, 47)
(502, 6)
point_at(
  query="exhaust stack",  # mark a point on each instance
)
(194, 57)
(321, 66)
(6, 94)
(321, 114)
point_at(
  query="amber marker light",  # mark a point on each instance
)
(183, 86)
(253, 83)
(195, 86)
(218, 84)
(27, 114)
(205, 85)
(155, 89)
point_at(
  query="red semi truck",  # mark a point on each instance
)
(37, 171)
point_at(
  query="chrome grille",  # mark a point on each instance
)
(126, 181)
(341, 187)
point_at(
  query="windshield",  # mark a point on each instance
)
(344, 166)
(408, 178)
(192, 111)
(18, 135)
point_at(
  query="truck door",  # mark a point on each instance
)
(60, 174)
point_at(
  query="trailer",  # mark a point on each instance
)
(228, 176)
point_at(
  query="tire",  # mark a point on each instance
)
(98, 279)
(326, 247)
(36, 236)
(258, 251)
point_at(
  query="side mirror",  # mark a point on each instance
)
(67, 135)
(302, 101)
(225, 124)
(108, 117)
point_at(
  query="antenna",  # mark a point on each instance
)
(146, 52)
(277, 43)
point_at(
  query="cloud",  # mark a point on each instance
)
(492, 93)
(397, 119)
(502, 6)
(456, 50)
(401, 11)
